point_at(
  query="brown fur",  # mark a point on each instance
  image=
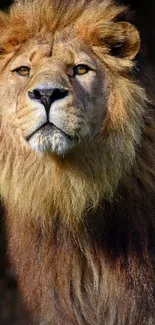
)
(81, 228)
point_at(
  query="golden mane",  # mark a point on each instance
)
(81, 228)
(51, 16)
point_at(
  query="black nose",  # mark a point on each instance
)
(47, 96)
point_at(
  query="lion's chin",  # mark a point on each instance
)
(52, 140)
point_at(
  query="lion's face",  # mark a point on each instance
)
(57, 96)
(62, 81)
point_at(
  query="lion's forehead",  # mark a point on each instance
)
(67, 52)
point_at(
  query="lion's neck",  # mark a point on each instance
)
(43, 186)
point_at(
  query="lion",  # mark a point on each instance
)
(77, 176)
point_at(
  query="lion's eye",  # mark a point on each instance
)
(23, 71)
(80, 69)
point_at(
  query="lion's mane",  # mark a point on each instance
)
(82, 229)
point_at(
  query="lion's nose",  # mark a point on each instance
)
(47, 96)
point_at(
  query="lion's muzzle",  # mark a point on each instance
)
(48, 136)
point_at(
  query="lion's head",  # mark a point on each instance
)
(69, 99)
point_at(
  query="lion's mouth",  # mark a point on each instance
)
(47, 128)
(50, 138)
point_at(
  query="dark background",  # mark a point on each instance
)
(11, 309)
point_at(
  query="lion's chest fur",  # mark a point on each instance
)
(91, 280)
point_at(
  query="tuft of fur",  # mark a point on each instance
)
(81, 229)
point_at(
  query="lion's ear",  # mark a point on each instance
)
(126, 41)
